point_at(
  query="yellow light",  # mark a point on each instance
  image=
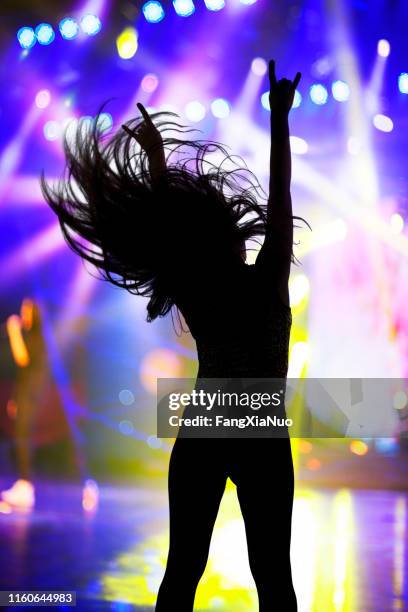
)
(298, 289)
(358, 447)
(299, 356)
(126, 43)
(17, 344)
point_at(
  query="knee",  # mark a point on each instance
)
(185, 566)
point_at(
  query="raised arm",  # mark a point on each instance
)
(276, 253)
(149, 138)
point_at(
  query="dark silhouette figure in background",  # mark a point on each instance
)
(176, 232)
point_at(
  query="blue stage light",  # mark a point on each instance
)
(45, 33)
(26, 37)
(105, 122)
(68, 28)
(340, 91)
(214, 5)
(297, 99)
(403, 82)
(184, 8)
(318, 94)
(153, 11)
(220, 108)
(91, 24)
(265, 100)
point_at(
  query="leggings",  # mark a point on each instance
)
(262, 471)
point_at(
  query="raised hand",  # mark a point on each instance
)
(147, 135)
(281, 92)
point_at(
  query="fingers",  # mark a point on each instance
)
(144, 113)
(129, 131)
(272, 74)
(296, 80)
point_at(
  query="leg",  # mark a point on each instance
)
(196, 485)
(265, 491)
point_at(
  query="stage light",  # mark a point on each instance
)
(214, 5)
(184, 8)
(26, 37)
(383, 48)
(403, 82)
(265, 100)
(220, 108)
(383, 123)
(358, 447)
(126, 397)
(126, 43)
(153, 11)
(45, 33)
(313, 464)
(248, 2)
(297, 99)
(43, 98)
(340, 91)
(68, 28)
(149, 83)
(154, 442)
(91, 24)
(126, 428)
(52, 130)
(104, 122)
(396, 223)
(259, 66)
(195, 111)
(318, 94)
(298, 145)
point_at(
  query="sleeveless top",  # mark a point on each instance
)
(240, 325)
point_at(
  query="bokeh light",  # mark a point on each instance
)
(259, 66)
(340, 91)
(297, 99)
(52, 130)
(126, 43)
(105, 122)
(318, 94)
(43, 98)
(265, 100)
(383, 123)
(26, 37)
(91, 24)
(149, 83)
(383, 48)
(69, 28)
(298, 145)
(220, 108)
(403, 82)
(126, 427)
(184, 8)
(358, 447)
(45, 33)
(214, 5)
(126, 397)
(153, 11)
(195, 111)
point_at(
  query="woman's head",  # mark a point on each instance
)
(147, 236)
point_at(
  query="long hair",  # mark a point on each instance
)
(140, 233)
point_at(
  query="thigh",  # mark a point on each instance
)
(197, 478)
(263, 473)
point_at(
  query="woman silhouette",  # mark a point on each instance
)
(176, 233)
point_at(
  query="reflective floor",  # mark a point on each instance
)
(349, 550)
